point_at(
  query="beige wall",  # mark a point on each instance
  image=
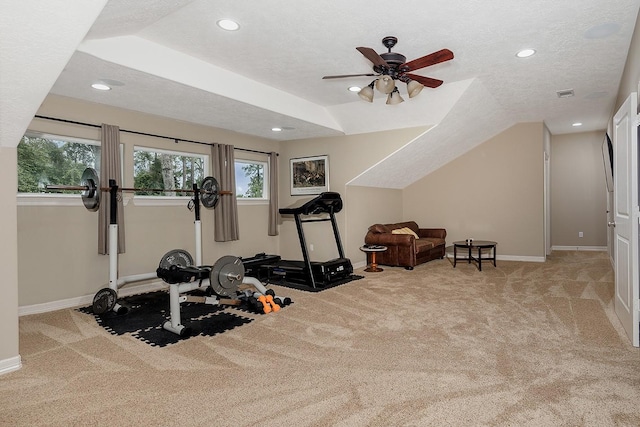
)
(9, 256)
(57, 245)
(348, 157)
(631, 75)
(578, 191)
(368, 206)
(493, 192)
(62, 240)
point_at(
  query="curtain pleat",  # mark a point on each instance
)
(110, 168)
(273, 194)
(226, 212)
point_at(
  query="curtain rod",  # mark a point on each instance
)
(149, 134)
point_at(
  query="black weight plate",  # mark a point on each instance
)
(178, 257)
(104, 300)
(90, 196)
(210, 192)
(226, 275)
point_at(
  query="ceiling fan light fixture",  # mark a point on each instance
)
(414, 88)
(394, 97)
(385, 84)
(366, 92)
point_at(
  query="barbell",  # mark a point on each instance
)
(90, 189)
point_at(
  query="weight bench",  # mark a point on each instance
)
(223, 282)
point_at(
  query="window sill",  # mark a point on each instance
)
(47, 199)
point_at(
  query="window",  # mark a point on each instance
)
(45, 159)
(169, 170)
(252, 180)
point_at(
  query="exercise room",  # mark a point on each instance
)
(242, 214)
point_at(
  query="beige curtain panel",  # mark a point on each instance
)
(226, 213)
(273, 194)
(110, 168)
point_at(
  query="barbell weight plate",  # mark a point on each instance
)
(226, 276)
(90, 196)
(210, 192)
(178, 257)
(104, 300)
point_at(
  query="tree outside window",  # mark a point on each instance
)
(49, 159)
(167, 170)
(251, 179)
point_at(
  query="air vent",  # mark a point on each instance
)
(565, 93)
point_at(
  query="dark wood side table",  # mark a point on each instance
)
(469, 246)
(371, 251)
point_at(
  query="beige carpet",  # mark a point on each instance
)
(523, 344)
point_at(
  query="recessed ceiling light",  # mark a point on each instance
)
(354, 89)
(228, 24)
(276, 129)
(100, 86)
(525, 53)
(576, 124)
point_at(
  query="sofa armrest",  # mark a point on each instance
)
(389, 239)
(439, 233)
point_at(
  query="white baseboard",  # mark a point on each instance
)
(87, 299)
(579, 248)
(10, 365)
(505, 258)
(360, 264)
(520, 258)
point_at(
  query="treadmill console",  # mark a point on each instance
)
(327, 202)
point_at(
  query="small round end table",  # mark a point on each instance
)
(373, 249)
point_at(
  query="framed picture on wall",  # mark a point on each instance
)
(309, 175)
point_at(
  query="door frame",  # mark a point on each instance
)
(626, 214)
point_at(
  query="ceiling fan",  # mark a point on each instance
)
(390, 66)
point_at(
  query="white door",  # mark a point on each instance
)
(625, 210)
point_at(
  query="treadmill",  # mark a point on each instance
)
(307, 273)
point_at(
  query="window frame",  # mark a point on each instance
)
(56, 199)
(267, 178)
(140, 200)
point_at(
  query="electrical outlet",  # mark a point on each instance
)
(311, 246)
(580, 234)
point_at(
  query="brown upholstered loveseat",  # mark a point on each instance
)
(404, 250)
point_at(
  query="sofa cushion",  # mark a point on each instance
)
(424, 245)
(379, 228)
(405, 230)
(435, 241)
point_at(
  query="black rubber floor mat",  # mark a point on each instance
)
(209, 326)
(309, 288)
(147, 313)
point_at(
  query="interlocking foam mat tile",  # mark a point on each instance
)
(148, 312)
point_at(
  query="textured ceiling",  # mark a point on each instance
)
(174, 61)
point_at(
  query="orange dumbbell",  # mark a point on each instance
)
(275, 307)
(266, 307)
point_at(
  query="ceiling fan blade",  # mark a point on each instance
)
(350, 75)
(373, 56)
(433, 58)
(427, 81)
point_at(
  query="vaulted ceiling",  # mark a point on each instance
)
(169, 58)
